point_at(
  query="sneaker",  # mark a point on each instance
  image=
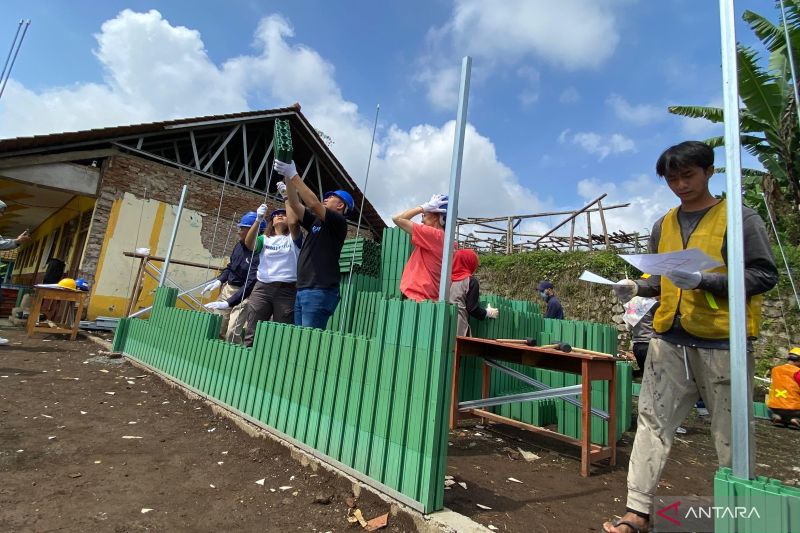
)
(3, 341)
(681, 430)
(702, 411)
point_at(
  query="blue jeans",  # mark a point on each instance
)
(313, 307)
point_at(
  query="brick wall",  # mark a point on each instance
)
(151, 180)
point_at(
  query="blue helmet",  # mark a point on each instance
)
(343, 196)
(249, 218)
(81, 284)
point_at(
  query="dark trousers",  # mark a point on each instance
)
(640, 353)
(270, 301)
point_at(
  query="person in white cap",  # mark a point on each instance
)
(10, 244)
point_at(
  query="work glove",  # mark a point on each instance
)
(219, 306)
(492, 312)
(625, 289)
(434, 205)
(261, 212)
(685, 280)
(216, 284)
(287, 170)
(282, 189)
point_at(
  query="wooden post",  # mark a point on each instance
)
(636, 242)
(603, 222)
(510, 237)
(572, 235)
(589, 228)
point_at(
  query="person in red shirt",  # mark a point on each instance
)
(420, 279)
(784, 391)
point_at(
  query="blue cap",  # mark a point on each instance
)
(249, 219)
(343, 196)
(277, 212)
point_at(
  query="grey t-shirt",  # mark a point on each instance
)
(760, 272)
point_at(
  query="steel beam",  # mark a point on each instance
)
(222, 147)
(524, 397)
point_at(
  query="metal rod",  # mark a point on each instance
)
(159, 272)
(455, 180)
(136, 242)
(348, 289)
(14, 58)
(780, 247)
(791, 67)
(524, 397)
(11, 50)
(181, 293)
(216, 223)
(741, 393)
(168, 255)
(539, 385)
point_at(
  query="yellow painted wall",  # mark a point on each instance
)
(41, 234)
(136, 223)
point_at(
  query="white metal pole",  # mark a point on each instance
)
(790, 54)
(455, 180)
(741, 394)
(168, 255)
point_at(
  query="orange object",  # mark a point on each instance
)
(784, 392)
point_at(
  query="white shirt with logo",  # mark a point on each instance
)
(277, 259)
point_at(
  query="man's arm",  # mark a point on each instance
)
(403, 220)
(651, 287)
(292, 216)
(10, 244)
(760, 271)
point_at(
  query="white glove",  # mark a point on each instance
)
(282, 189)
(261, 212)
(287, 170)
(685, 280)
(434, 205)
(211, 306)
(625, 290)
(491, 312)
(216, 284)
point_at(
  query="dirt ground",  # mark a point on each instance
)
(553, 497)
(66, 465)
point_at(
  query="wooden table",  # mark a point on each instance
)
(64, 295)
(590, 367)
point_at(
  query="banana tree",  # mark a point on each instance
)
(768, 120)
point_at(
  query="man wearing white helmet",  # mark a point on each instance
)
(10, 244)
(420, 280)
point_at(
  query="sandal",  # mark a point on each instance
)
(794, 423)
(633, 527)
(777, 420)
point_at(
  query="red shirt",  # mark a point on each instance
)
(420, 280)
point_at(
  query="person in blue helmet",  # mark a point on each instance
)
(318, 263)
(236, 281)
(548, 293)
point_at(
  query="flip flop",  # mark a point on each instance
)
(794, 423)
(777, 420)
(633, 527)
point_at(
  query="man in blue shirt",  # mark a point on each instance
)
(548, 293)
(236, 280)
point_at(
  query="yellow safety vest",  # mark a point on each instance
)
(702, 314)
(784, 392)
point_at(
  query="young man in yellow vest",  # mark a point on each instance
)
(784, 391)
(689, 354)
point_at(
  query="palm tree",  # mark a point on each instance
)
(768, 121)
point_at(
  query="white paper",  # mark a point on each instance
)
(690, 260)
(591, 277)
(636, 308)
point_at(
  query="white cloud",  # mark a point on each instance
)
(600, 145)
(640, 114)
(649, 199)
(529, 95)
(156, 71)
(569, 95)
(569, 34)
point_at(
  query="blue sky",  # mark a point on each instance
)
(568, 98)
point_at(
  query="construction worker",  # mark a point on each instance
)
(318, 264)
(465, 291)
(10, 244)
(548, 293)
(420, 279)
(275, 291)
(689, 355)
(236, 280)
(784, 391)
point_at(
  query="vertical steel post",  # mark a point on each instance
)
(168, 255)
(741, 394)
(455, 180)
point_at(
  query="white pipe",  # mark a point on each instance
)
(168, 255)
(741, 394)
(455, 180)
